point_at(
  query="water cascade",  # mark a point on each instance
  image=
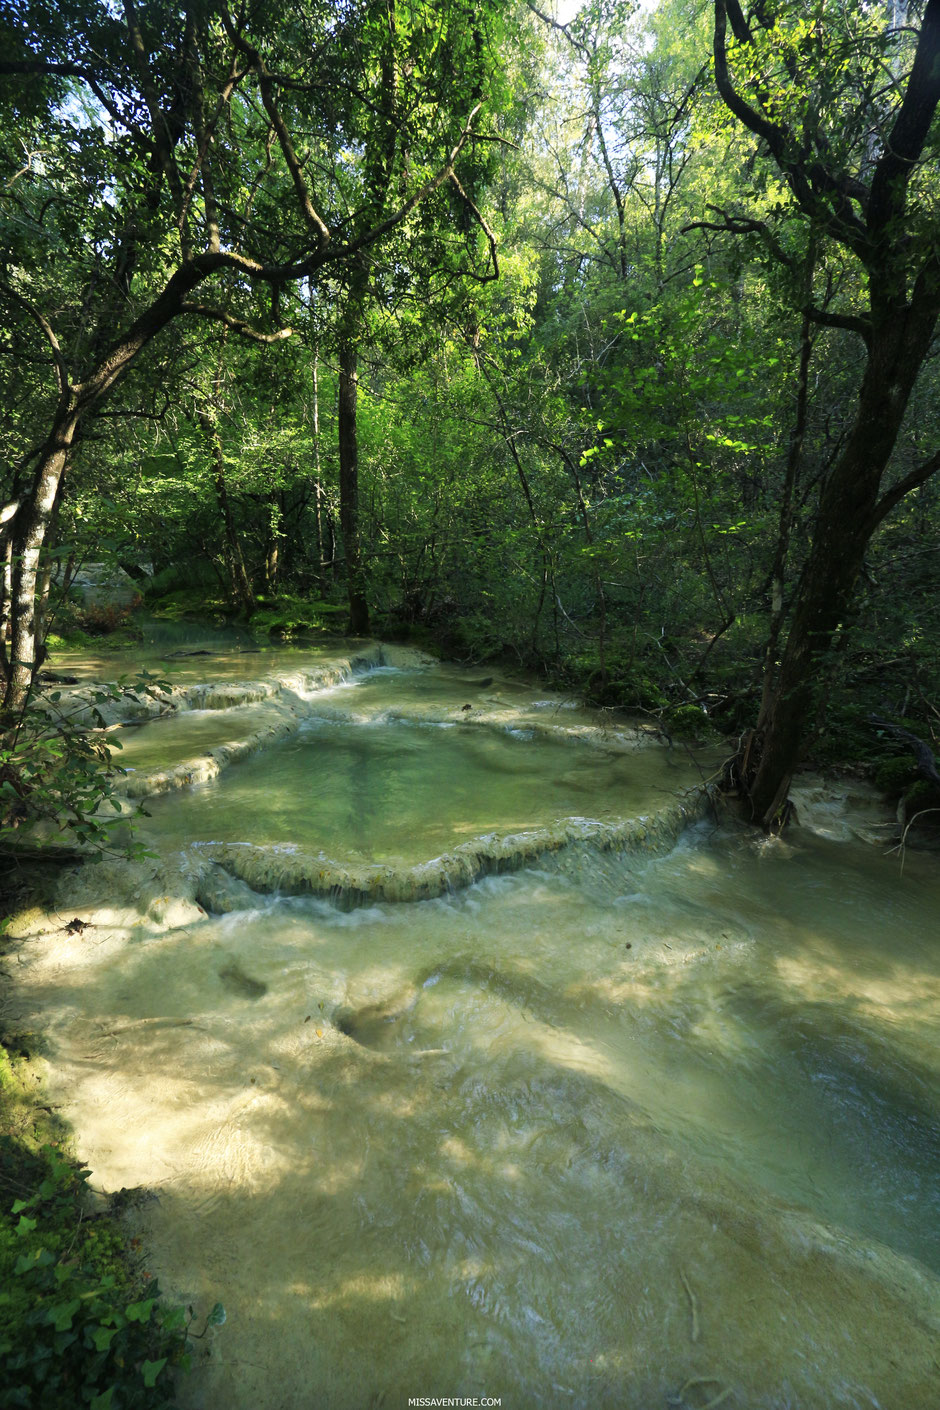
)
(460, 1049)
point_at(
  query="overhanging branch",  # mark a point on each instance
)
(61, 371)
(851, 322)
(235, 324)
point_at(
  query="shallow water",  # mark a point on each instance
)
(404, 790)
(618, 1129)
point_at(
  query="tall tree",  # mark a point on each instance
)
(213, 142)
(844, 103)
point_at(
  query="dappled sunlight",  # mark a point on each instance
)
(902, 994)
(631, 1116)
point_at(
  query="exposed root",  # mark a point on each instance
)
(899, 847)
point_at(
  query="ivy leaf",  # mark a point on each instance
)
(140, 1311)
(61, 1316)
(103, 1337)
(150, 1370)
(173, 1319)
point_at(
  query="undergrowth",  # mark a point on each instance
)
(82, 1326)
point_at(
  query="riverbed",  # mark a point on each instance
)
(461, 1048)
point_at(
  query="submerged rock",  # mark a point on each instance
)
(238, 982)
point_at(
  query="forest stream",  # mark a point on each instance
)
(461, 1049)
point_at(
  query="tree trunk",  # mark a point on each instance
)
(235, 563)
(317, 485)
(349, 486)
(29, 535)
(848, 516)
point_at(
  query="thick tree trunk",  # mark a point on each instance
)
(847, 518)
(349, 486)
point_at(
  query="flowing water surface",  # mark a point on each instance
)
(637, 1126)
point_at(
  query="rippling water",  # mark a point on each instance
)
(617, 1129)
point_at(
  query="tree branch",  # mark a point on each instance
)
(905, 142)
(235, 324)
(818, 191)
(919, 476)
(852, 323)
(314, 220)
(481, 221)
(61, 371)
(562, 28)
(37, 67)
(743, 225)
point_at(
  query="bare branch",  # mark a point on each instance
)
(37, 67)
(562, 28)
(266, 86)
(744, 225)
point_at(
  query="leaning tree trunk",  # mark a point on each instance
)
(349, 486)
(849, 512)
(31, 527)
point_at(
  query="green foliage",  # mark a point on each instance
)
(74, 1330)
(688, 722)
(57, 776)
(287, 616)
(183, 602)
(893, 776)
(569, 466)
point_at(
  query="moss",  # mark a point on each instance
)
(287, 616)
(72, 640)
(185, 602)
(688, 722)
(893, 776)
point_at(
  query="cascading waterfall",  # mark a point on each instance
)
(467, 1053)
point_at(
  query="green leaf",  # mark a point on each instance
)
(173, 1319)
(216, 1317)
(103, 1338)
(140, 1311)
(103, 1401)
(61, 1316)
(150, 1370)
